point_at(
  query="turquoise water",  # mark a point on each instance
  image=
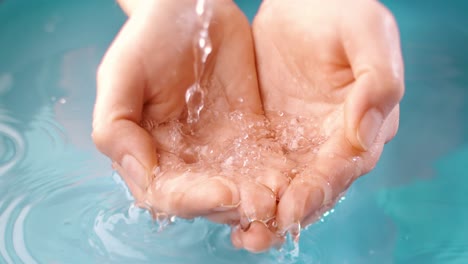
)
(61, 203)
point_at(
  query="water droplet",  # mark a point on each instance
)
(200, 8)
(173, 219)
(342, 199)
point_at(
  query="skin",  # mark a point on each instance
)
(333, 68)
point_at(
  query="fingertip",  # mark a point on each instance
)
(130, 146)
(302, 198)
(366, 109)
(257, 239)
(136, 191)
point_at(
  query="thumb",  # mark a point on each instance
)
(367, 107)
(372, 45)
(132, 150)
(116, 121)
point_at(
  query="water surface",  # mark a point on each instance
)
(60, 201)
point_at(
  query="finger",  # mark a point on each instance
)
(372, 45)
(137, 192)
(305, 195)
(128, 5)
(117, 114)
(191, 194)
(124, 84)
(392, 123)
(257, 209)
(234, 49)
(274, 180)
(330, 172)
(257, 240)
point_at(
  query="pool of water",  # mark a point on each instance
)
(60, 201)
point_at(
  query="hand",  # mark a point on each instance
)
(207, 168)
(308, 88)
(331, 78)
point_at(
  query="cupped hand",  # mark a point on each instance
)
(331, 78)
(225, 166)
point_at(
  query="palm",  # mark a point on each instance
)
(304, 87)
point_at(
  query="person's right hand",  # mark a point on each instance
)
(140, 118)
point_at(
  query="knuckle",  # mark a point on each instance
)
(390, 84)
(100, 136)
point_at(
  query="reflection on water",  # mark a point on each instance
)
(61, 203)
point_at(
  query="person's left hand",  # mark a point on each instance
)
(331, 78)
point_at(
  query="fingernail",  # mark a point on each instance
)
(135, 171)
(226, 208)
(369, 128)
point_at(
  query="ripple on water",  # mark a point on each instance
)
(5, 222)
(12, 145)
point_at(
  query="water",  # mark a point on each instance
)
(194, 96)
(61, 203)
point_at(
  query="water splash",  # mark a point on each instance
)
(289, 252)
